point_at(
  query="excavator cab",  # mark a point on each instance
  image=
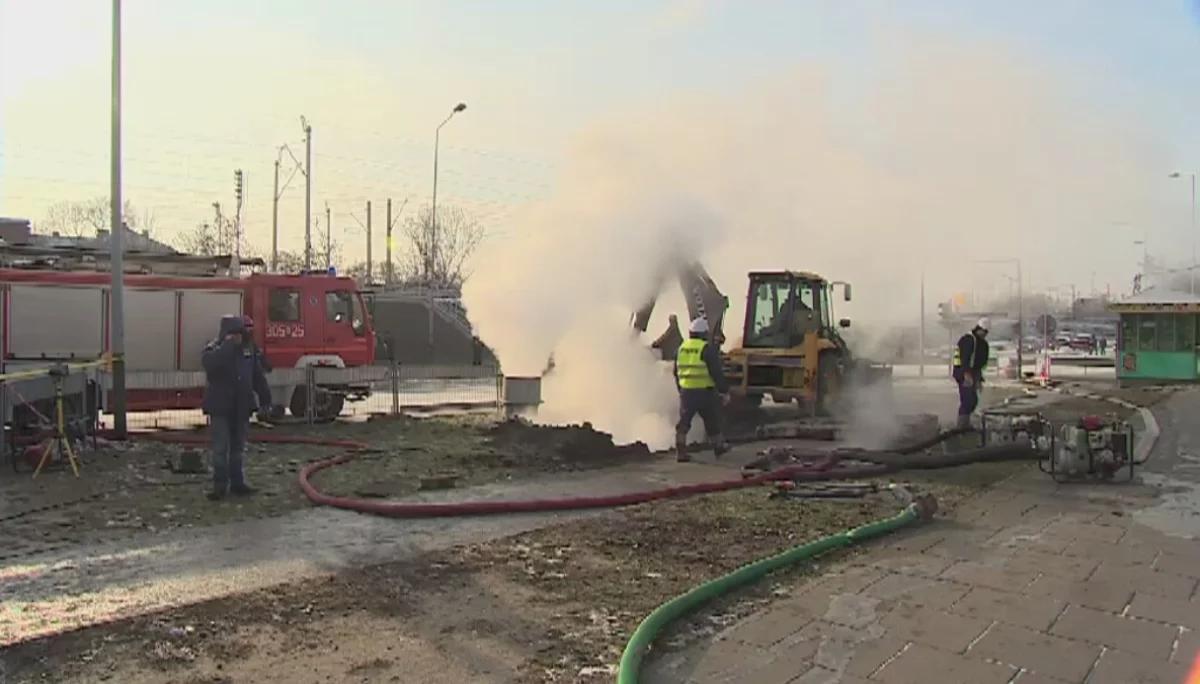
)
(791, 348)
(783, 307)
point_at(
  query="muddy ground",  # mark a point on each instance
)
(554, 605)
(134, 487)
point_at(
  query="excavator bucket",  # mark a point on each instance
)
(704, 299)
(641, 317)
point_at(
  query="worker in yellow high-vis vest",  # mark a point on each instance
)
(970, 360)
(702, 388)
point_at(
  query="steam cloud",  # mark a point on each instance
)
(953, 154)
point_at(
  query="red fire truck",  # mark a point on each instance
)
(300, 321)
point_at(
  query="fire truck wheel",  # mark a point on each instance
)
(329, 404)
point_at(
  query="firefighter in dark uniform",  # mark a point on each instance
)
(970, 360)
(702, 388)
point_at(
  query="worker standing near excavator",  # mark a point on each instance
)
(702, 388)
(970, 360)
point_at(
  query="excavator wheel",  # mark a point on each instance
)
(828, 383)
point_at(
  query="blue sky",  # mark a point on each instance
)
(216, 85)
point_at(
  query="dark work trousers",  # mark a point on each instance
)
(968, 398)
(228, 452)
(707, 403)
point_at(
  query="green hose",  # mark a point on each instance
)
(672, 610)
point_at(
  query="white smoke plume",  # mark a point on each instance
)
(955, 154)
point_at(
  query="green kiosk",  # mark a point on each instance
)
(1156, 340)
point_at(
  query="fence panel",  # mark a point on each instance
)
(172, 399)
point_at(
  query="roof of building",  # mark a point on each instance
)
(1158, 299)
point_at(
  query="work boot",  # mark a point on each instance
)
(720, 446)
(964, 422)
(681, 451)
(242, 490)
(215, 495)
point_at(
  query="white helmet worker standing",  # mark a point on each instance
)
(702, 388)
(970, 360)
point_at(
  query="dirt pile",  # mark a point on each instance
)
(569, 444)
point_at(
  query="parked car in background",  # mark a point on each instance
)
(1083, 342)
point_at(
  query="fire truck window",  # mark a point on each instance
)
(359, 322)
(339, 307)
(283, 306)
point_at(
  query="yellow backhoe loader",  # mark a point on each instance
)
(791, 349)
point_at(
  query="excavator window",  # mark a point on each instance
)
(806, 316)
(766, 318)
(783, 310)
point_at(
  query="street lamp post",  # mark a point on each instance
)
(431, 257)
(116, 237)
(1020, 311)
(1192, 270)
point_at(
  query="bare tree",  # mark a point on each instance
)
(439, 258)
(206, 239)
(357, 271)
(290, 262)
(325, 244)
(86, 218)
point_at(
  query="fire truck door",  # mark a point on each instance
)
(341, 323)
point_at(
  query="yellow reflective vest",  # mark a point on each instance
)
(690, 367)
(958, 359)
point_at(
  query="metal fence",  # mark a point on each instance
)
(60, 407)
(171, 400)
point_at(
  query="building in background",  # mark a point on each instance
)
(1156, 338)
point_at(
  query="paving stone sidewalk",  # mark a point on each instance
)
(1029, 584)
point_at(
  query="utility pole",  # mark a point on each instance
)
(235, 268)
(219, 222)
(116, 240)
(368, 242)
(390, 275)
(922, 336)
(1192, 270)
(387, 222)
(275, 220)
(307, 193)
(1020, 324)
(328, 238)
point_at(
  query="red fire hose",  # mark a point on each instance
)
(805, 473)
(824, 468)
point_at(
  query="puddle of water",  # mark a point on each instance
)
(1177, 510)
(853, 610)
(858, 622)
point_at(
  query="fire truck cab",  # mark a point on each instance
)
(311, 320)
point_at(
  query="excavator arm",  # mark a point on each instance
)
(702, 297)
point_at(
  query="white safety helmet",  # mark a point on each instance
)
(699, 326)
(983, 324)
